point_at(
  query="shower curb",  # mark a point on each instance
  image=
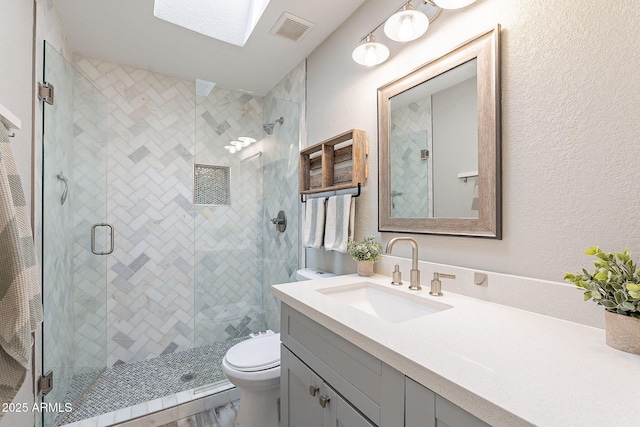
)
(166, 409)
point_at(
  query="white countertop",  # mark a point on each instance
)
(504, 365)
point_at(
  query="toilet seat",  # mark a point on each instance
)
(255, 354)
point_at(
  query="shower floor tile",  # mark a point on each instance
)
(130, 384)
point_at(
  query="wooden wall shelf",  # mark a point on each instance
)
(335, 164)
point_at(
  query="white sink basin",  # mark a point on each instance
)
(383, 302)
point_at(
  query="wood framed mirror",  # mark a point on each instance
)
(439, 145)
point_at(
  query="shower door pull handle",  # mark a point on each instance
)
(93, 238)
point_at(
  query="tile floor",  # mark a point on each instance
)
(128, 391)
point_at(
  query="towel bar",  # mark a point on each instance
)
(302, 199)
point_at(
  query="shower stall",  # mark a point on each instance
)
(158, 248)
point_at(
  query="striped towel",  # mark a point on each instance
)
(20, 302)
(314, 223)
(340, 221)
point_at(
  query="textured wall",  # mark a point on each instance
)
(569, 127)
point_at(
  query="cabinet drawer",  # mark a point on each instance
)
(359, 377)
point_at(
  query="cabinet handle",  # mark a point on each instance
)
(323, 401)
(313, 390)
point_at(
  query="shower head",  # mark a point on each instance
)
(268, 127)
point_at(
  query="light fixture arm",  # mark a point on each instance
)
(398, 9)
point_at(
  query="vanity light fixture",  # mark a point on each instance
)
(405, 24)
(370, 52)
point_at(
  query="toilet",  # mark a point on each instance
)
(253, 366)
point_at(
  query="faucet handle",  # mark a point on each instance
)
(397, 276)
(436, 284)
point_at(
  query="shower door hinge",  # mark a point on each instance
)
(45, 92)
(45, 383)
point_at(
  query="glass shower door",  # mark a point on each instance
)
(74, 181)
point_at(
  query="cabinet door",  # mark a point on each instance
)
(450, 415)
(420, 405)
(339, 413)
(300, 390)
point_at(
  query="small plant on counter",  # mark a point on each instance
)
(615, 283)
(367, 250)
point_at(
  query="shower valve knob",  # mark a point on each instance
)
(280, 221)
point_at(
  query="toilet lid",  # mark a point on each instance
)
(255, 354)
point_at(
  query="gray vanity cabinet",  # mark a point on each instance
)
(424, 408)
(301, 388)
(315, 357)
(310, 401)
(326, 381)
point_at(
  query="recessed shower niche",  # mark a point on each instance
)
(211, 185)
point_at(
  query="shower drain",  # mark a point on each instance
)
(187, 377)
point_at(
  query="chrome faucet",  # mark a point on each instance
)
(415, 273)
(436, 284)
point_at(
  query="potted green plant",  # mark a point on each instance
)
(365, 253)
(615, 285)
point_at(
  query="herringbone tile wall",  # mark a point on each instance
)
(58, 241)
(411, 132)
(228, 239)
(89, 206)
(280, 250)
(184, 276)
(150, 273)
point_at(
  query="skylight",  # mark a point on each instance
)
(231, 21)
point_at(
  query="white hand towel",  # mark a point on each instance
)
(340, 221)
(314, 222)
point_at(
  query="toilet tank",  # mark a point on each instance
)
(312, 274)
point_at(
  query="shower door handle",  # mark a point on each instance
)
(93, 238)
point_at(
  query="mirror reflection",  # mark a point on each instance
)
(434, 147)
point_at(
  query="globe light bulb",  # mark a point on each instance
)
(407, 24)
(370, 56)
(370, 53)
(405, 32)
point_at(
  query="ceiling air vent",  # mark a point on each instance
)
(291, 27)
